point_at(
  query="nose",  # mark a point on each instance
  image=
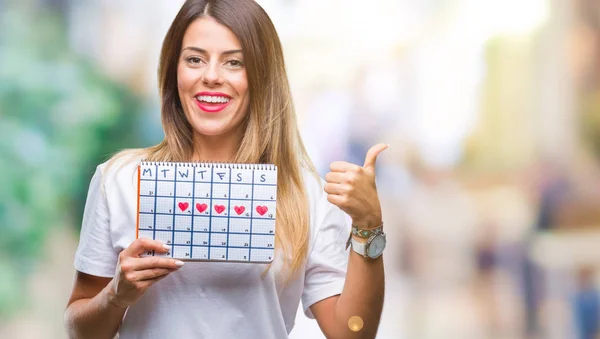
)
(212, 74)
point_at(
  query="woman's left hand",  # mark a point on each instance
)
(352, 188)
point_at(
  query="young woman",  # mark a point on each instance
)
(225, 98)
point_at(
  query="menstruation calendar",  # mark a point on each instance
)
(209, 211)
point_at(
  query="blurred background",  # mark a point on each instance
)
(490, 189)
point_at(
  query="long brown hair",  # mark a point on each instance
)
(271, 133)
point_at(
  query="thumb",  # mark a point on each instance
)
(372, 154)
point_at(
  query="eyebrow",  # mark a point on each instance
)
(200, 50)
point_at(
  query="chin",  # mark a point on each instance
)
(214, 127)
(211, 130)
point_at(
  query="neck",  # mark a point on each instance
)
(217, 148)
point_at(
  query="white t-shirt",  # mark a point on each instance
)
(211, 299)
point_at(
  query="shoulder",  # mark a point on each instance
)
(121, 168)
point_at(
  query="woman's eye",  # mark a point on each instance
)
(194, 60)
(235, 63)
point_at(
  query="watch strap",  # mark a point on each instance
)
(367, 233)
(359, 247)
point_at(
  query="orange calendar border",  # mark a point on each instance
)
(137, 222)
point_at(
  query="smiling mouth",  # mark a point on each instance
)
(210, 99)
(212, 103)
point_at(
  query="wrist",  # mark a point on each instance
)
(364, 234)
(359, 239)
(111, 297)
(368, 223)
(368, 248)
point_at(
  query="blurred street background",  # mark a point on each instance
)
(490, 189)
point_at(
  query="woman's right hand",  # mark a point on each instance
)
(134, 275)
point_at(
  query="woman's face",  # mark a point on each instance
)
(211, 78)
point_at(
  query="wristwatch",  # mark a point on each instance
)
(373, 247)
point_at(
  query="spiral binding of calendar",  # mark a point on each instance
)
(260, 167)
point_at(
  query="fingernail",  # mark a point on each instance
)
(166, 247)
(179, 263)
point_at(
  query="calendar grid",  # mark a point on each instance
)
(155, 199)
(228, 215)
(214, 216)
(208, 214)
(212, 171)
(252, 209)
(174, 209)
(238, 183)
(262, 200)
(193, 212)
(233, 233)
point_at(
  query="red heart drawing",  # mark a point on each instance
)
(219, 208)
(261, 210)
(201, 207)
(239, 209)
(183, 206)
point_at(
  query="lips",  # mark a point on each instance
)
(212, 102)
(211, 108)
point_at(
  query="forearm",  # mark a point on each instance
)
(353, 189)
(97, 317)
(362, 296)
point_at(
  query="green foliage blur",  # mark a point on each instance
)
(59, 118)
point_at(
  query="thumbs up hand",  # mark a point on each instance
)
(352, 188)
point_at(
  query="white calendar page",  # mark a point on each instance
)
(209, 211)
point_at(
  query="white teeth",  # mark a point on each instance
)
(212, 99)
